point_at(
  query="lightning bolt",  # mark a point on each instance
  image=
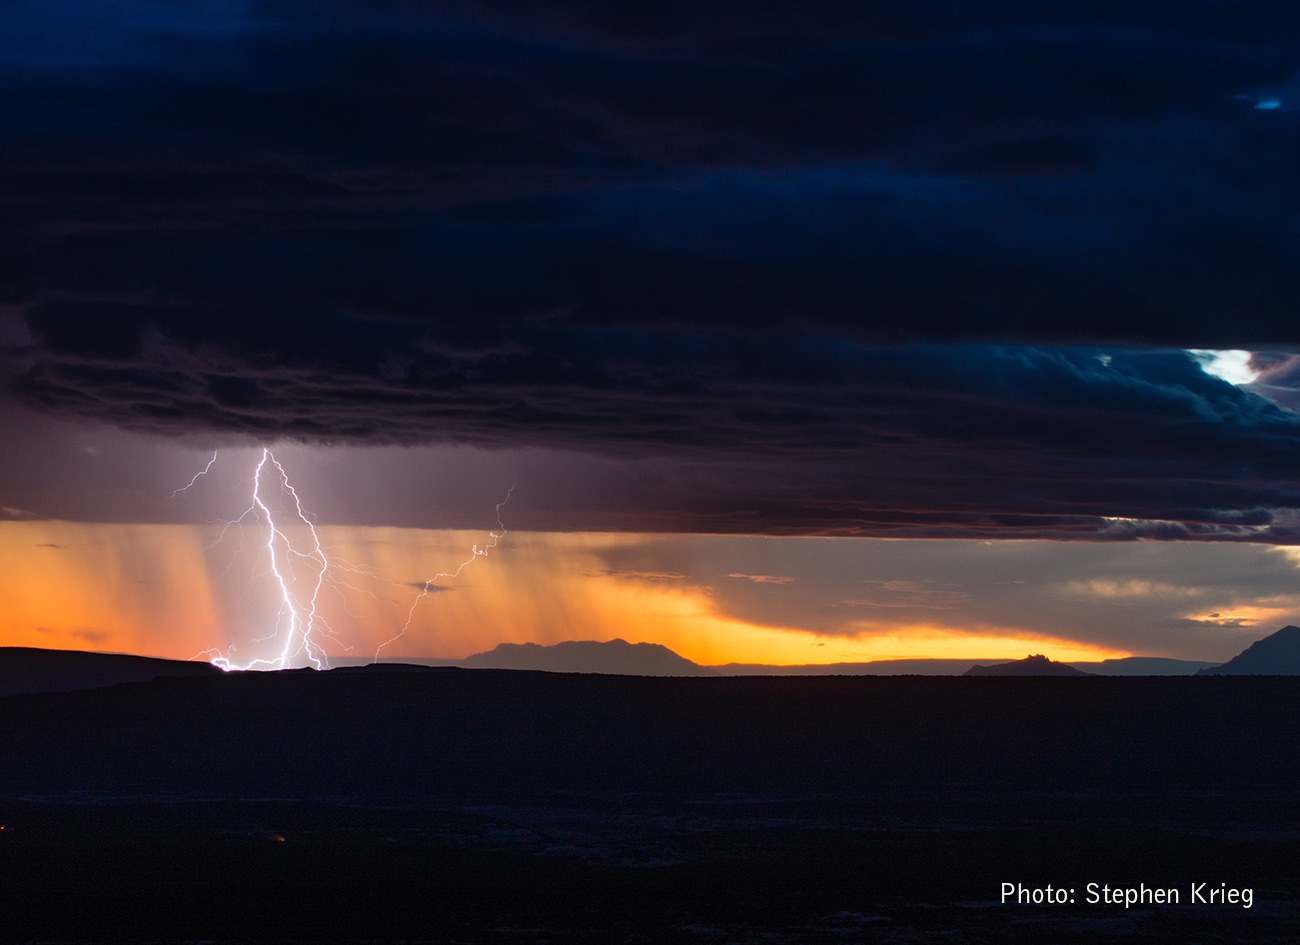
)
(426, 586)
(201, 472)
(298, 619)
(298, 638)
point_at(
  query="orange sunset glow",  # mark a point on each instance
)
(181, 591)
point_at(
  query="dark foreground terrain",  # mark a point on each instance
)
(497, 806)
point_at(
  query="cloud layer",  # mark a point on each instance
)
(833, 268)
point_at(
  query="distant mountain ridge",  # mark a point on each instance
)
(25, 670)
(1036, 664)
(1278, 654)
(615, 657)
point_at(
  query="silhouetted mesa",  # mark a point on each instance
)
(1278, 654)
(1033, 665)
(615, 657)
(26, 669)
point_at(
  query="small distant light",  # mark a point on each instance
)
(1268, 104)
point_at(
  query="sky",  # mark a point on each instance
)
(792, 332)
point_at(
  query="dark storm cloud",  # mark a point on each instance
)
(976, 171)
(785, 247)
(918, 442)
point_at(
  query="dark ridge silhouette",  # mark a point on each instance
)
(1142, 666)
(387, 667)
(616, 657)
(26, 669)
(1278, 654)
(424, 661)
(32, 670)
(454, 733)
(1035, 664)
